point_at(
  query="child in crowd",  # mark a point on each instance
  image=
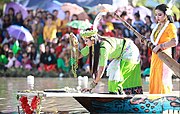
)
(26, 62)
(11, 60)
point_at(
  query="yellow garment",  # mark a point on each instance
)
(64, 26)
(110, 25)
(49, 32)
(160, 74)
(156, 34)
(57, 22)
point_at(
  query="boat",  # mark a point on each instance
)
(130, 104)
(110, 103)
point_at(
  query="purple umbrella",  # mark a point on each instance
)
(17, 8)
(50, 6)
(20, 33)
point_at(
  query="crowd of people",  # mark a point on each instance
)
(51, 50)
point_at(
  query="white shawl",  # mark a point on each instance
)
(160, 33)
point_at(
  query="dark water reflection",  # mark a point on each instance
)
(9, 87)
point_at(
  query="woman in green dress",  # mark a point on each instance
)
(124, 70)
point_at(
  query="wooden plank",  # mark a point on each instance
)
(102, 95)
(95, 95)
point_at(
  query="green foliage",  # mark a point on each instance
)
(139, 2)
(2, 2)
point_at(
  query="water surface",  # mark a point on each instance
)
(10, 86)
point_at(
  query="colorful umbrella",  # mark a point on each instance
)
(54, 5)
(75, 9)
(20, 33)
(17, 8)
(79, 24)
(101, 8)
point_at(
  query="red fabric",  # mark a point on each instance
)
(87, 61)
(111, 34)
(149, 55)
(58, 50)
(1, 39)
(50, 67)
(75, 31)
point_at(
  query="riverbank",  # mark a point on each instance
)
(21, 72)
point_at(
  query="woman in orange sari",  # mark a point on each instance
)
(164, 37)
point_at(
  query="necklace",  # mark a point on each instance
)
(155, 42)
(159, 28)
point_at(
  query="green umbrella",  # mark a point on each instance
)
(78, 24)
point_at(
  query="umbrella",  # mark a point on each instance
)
(83, 16)
(54, 5)
(119, 3)
(17, 8)
(20, 33)
(101, 8)
(75, 9)
(143, 11)
(128, 9)
(79, 24)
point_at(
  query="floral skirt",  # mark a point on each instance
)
(129, 91)
(134, 90)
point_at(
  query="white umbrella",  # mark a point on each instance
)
(20, 33)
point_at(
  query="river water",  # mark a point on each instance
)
(10, 86)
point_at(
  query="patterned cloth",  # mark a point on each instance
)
(129, 91)
(134, 90)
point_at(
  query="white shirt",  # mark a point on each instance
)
(11, 62)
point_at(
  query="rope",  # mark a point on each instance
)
(74, 58)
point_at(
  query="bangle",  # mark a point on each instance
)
(93, 85)
(162, 46)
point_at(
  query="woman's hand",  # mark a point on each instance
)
(86, 90)
(92, 86)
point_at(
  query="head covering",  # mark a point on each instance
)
(88, 33)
